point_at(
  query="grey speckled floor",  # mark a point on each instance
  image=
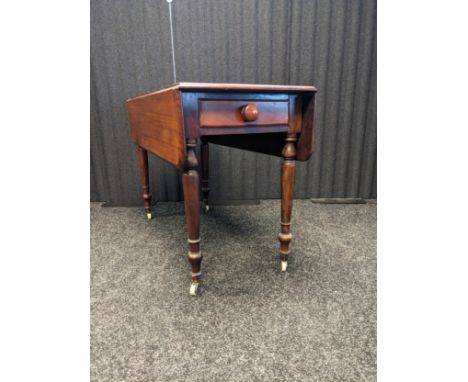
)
(317, 322)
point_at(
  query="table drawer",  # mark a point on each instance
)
(243, 113)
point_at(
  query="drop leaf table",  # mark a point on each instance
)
(269, 119)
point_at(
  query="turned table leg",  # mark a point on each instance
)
(205, 187)
(190, 183)
(288, 170)
(144, 179)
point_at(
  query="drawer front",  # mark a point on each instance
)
(243, 113)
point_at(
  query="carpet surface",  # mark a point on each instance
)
(250, 322)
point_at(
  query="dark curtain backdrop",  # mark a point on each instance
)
(327, 43)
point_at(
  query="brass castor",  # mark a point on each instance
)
(284, 265)
(149, 215)
(193, 289)
(207, 207)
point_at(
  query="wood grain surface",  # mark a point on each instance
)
(156, 125)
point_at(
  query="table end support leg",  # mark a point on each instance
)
(190, 183)
(288, 170)
(144, 179)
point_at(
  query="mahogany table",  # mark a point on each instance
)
(270, 119)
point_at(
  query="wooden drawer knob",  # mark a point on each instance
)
(249, 112)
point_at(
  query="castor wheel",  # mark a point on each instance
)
(193, 289)
(284, 265)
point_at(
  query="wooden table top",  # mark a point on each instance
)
(225, 87)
